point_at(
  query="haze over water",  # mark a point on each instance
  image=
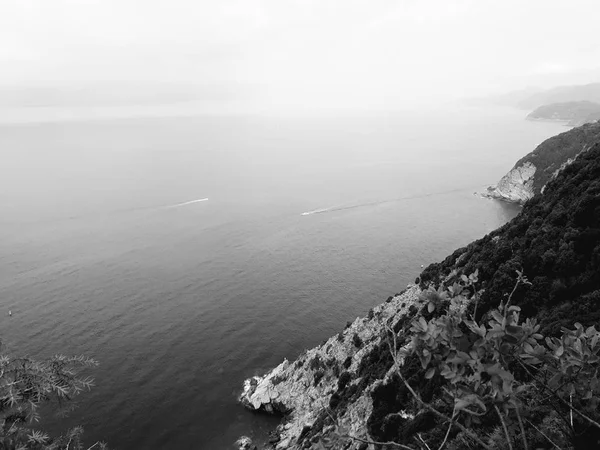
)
(174, 249)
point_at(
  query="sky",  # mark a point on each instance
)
(291, 52)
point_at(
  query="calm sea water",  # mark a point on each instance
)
(181, 303)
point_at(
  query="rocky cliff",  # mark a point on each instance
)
(345, 393)
(340, 377)
(516, 186)
(531, 173)
(305, 388)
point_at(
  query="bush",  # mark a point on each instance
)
(347, 362)
(336, 370)
(319, 376)
(344, 379)
(316, 363)
(334, 400)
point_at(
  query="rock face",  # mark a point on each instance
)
(304, 388)
(531, 173)
(245, 443)
(516, 186)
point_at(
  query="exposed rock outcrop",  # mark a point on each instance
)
(245, 443)
(516, 186)
(531, 173)
(306, 387)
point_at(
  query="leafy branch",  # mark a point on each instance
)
(476, 359)
(27, 384)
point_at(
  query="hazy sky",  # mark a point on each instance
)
(292, 51)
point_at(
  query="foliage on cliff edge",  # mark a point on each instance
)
(27, 386)
(459, 383)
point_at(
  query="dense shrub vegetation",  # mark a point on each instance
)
(555, 241)
(502, 373)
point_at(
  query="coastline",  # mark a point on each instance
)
(569, 123)
(301, 390)
(547, 119)
(491, 193)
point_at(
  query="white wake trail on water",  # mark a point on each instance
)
(341, 208)
(381, 202)
(316, 211)
(177, 205)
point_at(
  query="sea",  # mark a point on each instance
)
(187, 251)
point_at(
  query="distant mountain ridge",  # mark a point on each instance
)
(587, 92)
(532, 98)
